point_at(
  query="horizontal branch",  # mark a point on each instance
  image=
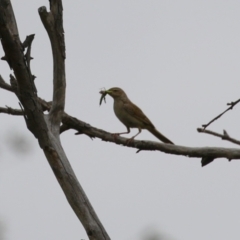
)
(193, 152)
(11, 111)
(224, 136)
(81, 127)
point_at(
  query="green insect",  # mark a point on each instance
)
(103, 97)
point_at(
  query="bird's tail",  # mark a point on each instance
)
(157, 134)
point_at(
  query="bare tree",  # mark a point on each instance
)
(47, 127)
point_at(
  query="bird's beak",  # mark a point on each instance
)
(105, 92)
(108, 92)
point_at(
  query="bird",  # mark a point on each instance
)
(131, 115)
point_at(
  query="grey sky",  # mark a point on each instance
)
(177, 60)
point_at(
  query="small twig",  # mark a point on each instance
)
(14, 84)
(224, 136)
(206, 160)
(231, 104)
(46, 106)
(5, 85)
(11, 111)
(28, 44)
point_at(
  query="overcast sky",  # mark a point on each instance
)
(178, 61)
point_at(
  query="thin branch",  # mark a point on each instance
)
(46, 106)
(5, 85)
(53, 24)
(28, 44)
(11, 111)
(224, 136)
(231, 104)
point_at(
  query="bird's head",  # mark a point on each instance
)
(116, 92)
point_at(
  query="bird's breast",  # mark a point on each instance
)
(125, 117)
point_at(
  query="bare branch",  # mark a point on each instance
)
(11, 111)
(41, 126)
(28, 44)
(53, 24)
(197, 152)
(205, 153)
(81, 127)
(231, 104)
(224, 136)
(46, 106)
(14, 53)
(5, 85)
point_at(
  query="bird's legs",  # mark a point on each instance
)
(118, 134)
(128, 131)
(132, 138)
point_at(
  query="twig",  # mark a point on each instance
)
(231, 104)
(224, 136)
(5, 85)
(11, 111)
(28, 44)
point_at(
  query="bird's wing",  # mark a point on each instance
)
(136, 112)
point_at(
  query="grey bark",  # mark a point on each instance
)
(46, 128)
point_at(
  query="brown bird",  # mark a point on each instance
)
(131, 115)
